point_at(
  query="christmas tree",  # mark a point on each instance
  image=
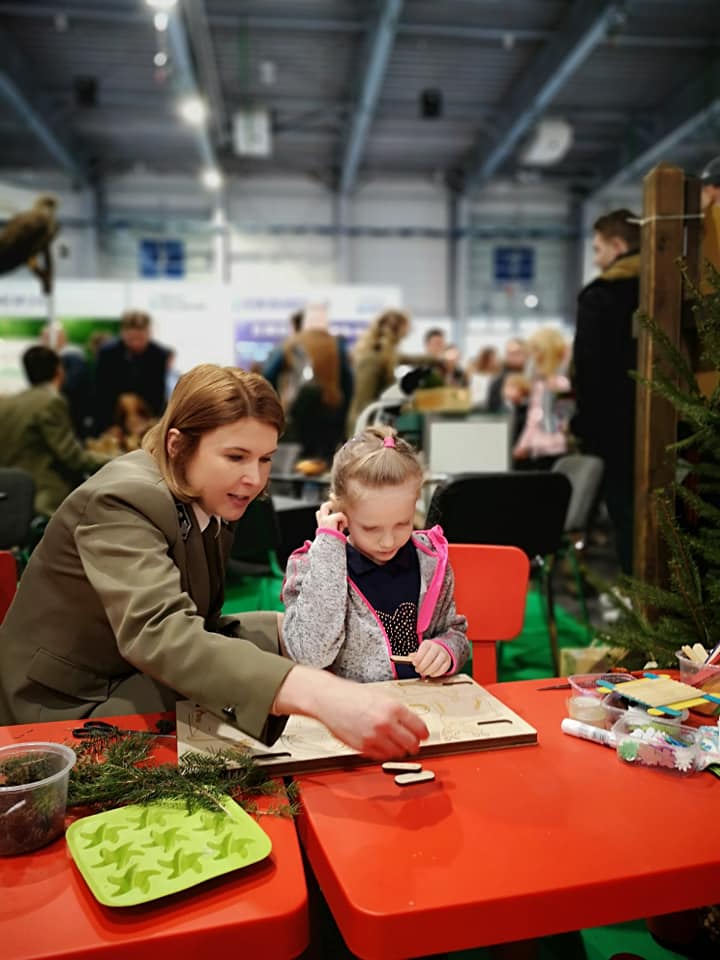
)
(658, 620)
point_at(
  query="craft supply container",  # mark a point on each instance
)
(585, 684)
(653, 742)
(33, 794)
(703, 676)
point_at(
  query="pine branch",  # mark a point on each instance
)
(672, 357)
(115, 771)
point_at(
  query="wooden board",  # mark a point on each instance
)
(460, 715)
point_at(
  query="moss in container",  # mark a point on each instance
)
(33, 794)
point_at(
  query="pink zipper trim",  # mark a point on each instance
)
(364, 599)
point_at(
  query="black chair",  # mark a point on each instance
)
(585, 474)
(524, 509)
(17, 495)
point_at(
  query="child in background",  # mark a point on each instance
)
(352, 602)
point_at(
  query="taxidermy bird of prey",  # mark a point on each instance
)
(26, 239)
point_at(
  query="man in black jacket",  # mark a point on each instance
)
(132, 364)
(604, 351)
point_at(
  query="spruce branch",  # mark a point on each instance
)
(114, 771)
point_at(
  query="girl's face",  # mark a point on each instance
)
(380, 520)
(230, 466)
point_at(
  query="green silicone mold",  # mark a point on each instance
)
(139, 853)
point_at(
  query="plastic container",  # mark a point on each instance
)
(654, 742)
(586, 684)
(33, 794)
(703, 676)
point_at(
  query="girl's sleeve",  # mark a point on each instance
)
(448, 627)
(315, 595)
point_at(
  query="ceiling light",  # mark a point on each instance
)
(531, 301)
(160, 59)
(161, 21)
(212, 178)
(161, 4)
(193, 110)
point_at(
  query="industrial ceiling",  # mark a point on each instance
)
(583, 94)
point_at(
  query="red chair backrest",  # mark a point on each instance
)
(490, 591)
(8, 581)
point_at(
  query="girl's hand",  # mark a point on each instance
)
(330, 519)
(431, 660)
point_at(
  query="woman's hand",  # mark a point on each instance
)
(330, 519)
(431, 660)
(365, 719)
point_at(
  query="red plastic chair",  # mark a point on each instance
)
(490, 590)
(8, 581)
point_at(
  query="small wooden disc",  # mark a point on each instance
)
(392, 766)
(406, 779)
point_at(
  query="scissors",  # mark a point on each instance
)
(99, 728)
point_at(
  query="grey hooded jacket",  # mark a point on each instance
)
(329, 623)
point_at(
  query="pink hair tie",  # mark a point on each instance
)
(389, 442)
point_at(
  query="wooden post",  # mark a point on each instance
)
(661, 299)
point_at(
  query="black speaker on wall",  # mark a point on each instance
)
(431, 103)
(85, 89)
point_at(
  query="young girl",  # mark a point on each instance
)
(354, 602)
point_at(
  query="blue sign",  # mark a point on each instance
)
(162, 258)
(514, 263)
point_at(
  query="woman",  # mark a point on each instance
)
(316, 415)
(375, 358)
(119, 609)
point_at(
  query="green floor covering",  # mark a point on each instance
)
(526, 657)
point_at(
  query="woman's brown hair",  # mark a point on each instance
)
(377, 457)
(205, 398)
(322, 351)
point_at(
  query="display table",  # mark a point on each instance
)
(509, 844)
(46, 909)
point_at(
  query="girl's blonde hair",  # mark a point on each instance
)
(368, 461)
(205, 398)
(549, 349)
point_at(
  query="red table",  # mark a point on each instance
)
(46, 909)
(508, 844)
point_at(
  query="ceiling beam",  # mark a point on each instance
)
(378, 47)
(184, 72)
(690, 108)
(131, 14)
(19, 91)
(202, 46)
(576, 37)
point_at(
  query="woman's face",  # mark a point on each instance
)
(230, 466)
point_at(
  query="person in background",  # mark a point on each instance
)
(435, 343)
(604, 353)
(77, 381)
(481, 372)
(375, 357)
(120, 608)
(132, 364)
(317, 414)
(516, 357)
(543, 437)
(454, 375)
(311, 371)
(38, 436)
(354, 601)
